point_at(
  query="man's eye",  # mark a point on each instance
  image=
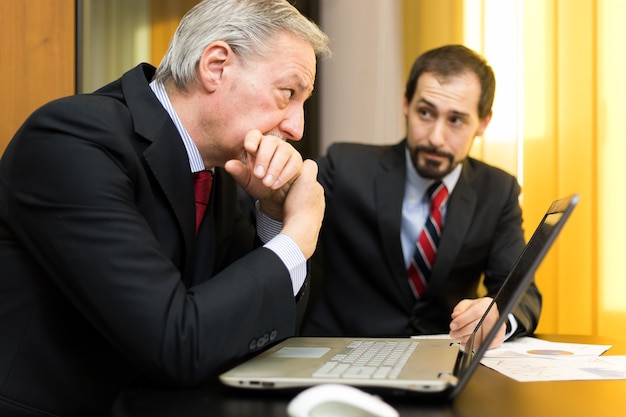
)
(423, 112)
(288, 92)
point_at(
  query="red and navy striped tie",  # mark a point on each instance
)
(428, 241)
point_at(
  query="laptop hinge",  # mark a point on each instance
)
(449, 378)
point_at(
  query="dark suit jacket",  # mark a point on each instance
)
(102, 278)
(360, 284)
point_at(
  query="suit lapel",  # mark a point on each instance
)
(169, 165)
(389, 192)
(165, 155)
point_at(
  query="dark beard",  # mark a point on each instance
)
(431, 169)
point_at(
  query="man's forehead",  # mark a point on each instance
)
(436, 90)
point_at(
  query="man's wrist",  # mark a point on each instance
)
(267, 227)
(270, 209)
(292, 257)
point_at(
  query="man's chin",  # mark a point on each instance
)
(432, 171)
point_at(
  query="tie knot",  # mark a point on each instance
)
(438, 194)
(202, 175)
(202, 182)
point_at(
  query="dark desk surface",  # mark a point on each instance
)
(488, 394)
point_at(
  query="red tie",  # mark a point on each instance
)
(202, 183)
(424, 257)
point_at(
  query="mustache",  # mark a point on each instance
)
(244, 155)
(430, 149)
(277, 134)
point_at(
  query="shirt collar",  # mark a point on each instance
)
(195, 159)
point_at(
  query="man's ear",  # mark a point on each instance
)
(215, 57)
(483, 124)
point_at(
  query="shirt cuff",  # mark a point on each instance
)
(283, 246)
(511, 328)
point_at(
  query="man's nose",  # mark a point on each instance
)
(293, 123)
(437, 134)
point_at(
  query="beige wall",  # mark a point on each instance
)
(361, 91)
(115, 36)
(119, 34)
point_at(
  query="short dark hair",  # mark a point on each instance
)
(452, 60)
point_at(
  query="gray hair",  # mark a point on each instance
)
(247, 26)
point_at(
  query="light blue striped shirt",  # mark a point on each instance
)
(416, 205)
(268, 229)
(416, 208)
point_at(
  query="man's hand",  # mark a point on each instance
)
(267, 167)
(466, 316)
(304, 209)
(287, 188)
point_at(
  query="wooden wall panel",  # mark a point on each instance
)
(37, 40)
(166, 15)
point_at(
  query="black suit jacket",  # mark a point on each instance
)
(360, 281)
(102, 278)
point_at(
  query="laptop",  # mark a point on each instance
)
(429, 368)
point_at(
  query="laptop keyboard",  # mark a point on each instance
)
(368, 360)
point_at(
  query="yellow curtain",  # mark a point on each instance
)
(560, 92)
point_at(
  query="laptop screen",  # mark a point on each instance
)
(518, 281)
